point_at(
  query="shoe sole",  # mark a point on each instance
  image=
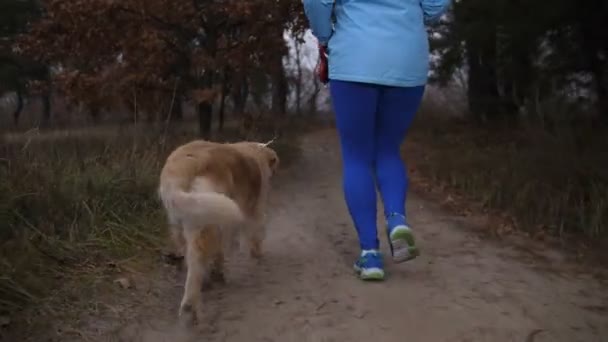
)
(370, 273)
(403, 245)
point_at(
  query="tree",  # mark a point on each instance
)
(15, 70)
(299, 41)
(126, 47)
(520, 52)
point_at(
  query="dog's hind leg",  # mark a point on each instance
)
(191, 305)
(174, 254)
(179, 242)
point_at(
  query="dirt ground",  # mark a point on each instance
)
(462, 287)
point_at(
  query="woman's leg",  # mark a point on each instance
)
(397, 107)
(355, 105)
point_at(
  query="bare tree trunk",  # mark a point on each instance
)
(312, 101)
(240, 90)
(298, 48)
(279, 88)
(177, 109)
(482, 87)
(595, 48)
(205, 108)
(94, 110)
(225, 90)
(602, 95)
(19, 109)
(222, 110)
(205, 116)
(46, 109)
(599, 70)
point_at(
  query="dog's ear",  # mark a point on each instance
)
(273, 160)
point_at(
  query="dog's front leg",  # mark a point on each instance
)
(257, 231)
(215, 272)
(217, 268)
(256, 237)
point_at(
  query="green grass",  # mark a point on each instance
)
(545, 179)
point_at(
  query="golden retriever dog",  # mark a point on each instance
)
(214, 194)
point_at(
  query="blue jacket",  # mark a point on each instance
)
(375, 41)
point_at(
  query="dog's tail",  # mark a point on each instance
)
(201, 208)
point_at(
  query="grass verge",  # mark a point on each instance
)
(546, 180)
(70, 204)
(75, 208)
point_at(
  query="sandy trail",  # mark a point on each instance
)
(462, 288)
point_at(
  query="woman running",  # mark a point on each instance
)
(378, 53)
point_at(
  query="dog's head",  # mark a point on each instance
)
(263, 152)
(273, 158)
(270, 155)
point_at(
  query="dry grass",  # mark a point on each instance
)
(71, 203)
(545, 179)
(74, 206)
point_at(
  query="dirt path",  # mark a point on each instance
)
(460, 289)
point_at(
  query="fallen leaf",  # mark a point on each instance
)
(124, 283)
(5, 321)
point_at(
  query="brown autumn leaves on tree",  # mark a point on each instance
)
(113, 52)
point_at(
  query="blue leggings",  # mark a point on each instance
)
(372, 121)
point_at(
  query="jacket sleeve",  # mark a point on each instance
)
(434, 9)
(319, 14)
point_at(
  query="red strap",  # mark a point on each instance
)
(322, 68)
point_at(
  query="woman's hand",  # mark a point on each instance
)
(434, 9)
(322, 67)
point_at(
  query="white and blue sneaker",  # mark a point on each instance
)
(401, 239)
(370, 265)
